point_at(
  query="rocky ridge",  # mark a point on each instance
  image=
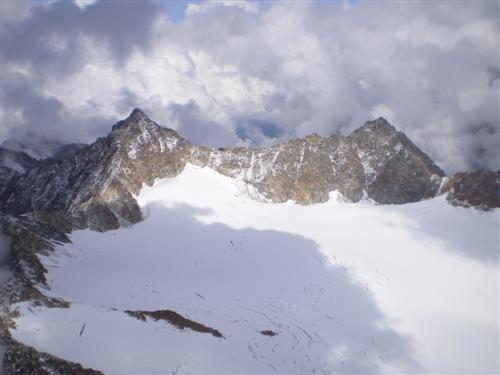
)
(96, 186)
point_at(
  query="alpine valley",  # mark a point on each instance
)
(143, 253)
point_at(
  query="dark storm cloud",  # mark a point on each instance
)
(19, 96)
(45, 117)
(126, 100)
(123, 25)
(48, 44)
(493, 74)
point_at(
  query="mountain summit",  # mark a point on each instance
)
(136, 116)
(97, 185)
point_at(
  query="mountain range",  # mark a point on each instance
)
(97, 186)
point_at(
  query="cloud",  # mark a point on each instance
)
(193, 8)
(188, 119)
(14, 12)
(256, 132)
(236, 73)
(382, 110)
(82, 4)
(46, 45)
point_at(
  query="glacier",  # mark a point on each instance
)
(345, 287)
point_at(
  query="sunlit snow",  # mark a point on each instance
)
(346, 287)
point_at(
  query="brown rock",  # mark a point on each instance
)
(480, 189)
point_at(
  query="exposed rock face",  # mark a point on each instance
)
(175, 319)
(479, 189)
(268, 333)
(21, 359)
(16, 160)
(68, 151)
(96, 186)
(7, 177)
(304, 170)
(22, 238)
(12, 165)
(396, 171)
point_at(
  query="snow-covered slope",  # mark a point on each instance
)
(343, 287)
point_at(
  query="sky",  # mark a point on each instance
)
(246, 73)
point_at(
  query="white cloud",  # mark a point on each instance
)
(303, 67)
(192, 8)
(14, 12)
(82, 4)
(382, 110)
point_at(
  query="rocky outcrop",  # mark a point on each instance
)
(23, 238)
(7, 178)
(304, 170)
(21, 359)
(68, 151)
(175, 319)
(395, 170)
(480, 189)
(12, 165)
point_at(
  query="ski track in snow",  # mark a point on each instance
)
(346, 287)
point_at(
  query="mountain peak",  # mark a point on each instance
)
(379, 124)
(136, 116)
(380, 120)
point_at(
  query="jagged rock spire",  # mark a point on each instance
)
(137, 114)
(135, 117)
